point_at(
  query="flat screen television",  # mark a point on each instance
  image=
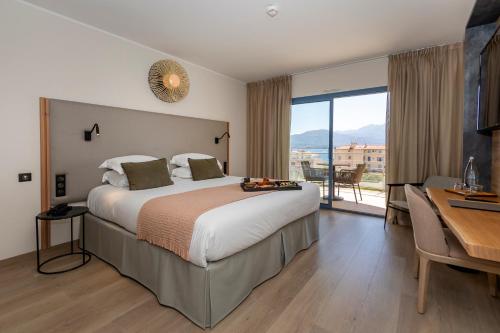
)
(488, 115)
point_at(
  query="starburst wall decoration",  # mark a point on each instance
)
(168, 80)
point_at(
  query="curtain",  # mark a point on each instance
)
(425, 114)
(268, 142)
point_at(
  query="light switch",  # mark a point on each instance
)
(60, 185)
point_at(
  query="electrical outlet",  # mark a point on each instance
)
(24, 177)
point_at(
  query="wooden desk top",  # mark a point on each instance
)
(477, 230)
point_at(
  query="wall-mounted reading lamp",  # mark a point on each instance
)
(88, 134)
(221, 137)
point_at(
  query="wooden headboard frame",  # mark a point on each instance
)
(65, 119)
(44, 169)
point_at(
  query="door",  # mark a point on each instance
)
(335, 134)
(310, 145)
(359, 152)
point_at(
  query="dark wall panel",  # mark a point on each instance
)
(475, 144)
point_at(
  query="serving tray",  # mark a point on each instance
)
(277, 185)
(466, 193)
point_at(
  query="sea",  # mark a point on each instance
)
(322, 152)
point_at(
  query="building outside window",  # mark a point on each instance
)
(359, 154)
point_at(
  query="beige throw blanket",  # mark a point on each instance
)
(168, 221)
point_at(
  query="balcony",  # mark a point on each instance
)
(372, 200)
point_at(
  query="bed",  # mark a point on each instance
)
(234, 248)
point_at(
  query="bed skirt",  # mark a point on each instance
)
(203, 294)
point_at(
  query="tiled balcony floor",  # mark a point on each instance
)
(373, 201)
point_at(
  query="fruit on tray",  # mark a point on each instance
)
(265, 182)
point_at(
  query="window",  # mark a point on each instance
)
(379, 159)
(346, 112)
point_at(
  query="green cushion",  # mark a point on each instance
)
(205, 169)
(145, 175)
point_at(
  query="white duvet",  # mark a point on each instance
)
(219, 232)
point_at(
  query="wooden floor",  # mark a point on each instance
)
(357, 278)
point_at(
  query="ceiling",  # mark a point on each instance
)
(237, 38)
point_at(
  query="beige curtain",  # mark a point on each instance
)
(268, 143)
(425, 114)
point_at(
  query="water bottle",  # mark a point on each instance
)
(471, 175)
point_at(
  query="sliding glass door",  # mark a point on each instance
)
(338, 142)
(359, 152)
(310, 142)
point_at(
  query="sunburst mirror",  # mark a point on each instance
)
(168, 81)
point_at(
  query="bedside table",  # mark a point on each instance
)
(74, 212)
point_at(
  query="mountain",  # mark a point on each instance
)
(310, 139)
(370, 134)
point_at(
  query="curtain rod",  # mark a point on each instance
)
(339, 65)
(368, 59)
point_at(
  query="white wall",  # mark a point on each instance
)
(43, 54)
(360, 75)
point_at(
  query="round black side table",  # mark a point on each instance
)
(74, 212)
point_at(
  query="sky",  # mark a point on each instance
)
(349, 113)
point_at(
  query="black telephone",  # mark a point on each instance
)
(59, 210)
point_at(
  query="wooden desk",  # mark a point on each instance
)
(477, 230)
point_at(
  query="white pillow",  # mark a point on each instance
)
(182, 172)
(116, 162)
(182, 159)
(115, 179)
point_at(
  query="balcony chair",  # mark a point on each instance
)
(433, 243)
(432, 181)
(314, 175)
(350, 178)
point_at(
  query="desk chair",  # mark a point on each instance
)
(433, 243)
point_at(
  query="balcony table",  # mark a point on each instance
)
(334, 197)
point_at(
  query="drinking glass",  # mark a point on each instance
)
(476, 188)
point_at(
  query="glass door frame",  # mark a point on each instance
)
(330, 97)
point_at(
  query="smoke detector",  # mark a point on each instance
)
(272, 10)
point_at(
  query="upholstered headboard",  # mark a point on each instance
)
(122, 132)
